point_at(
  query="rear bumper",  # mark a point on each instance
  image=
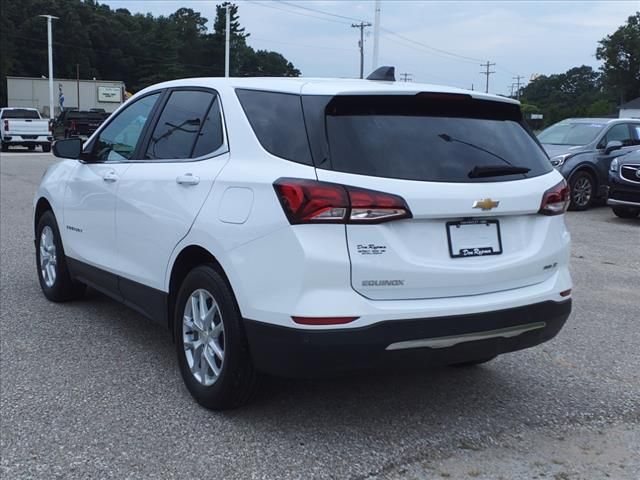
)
(22, 141)
(403, 343)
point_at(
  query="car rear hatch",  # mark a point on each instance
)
(472, 177)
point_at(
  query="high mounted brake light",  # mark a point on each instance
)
(311, 201)
(555, 201)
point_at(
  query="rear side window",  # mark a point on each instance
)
(428, 137)
(180, 125)
(278, 122)
(20, 113)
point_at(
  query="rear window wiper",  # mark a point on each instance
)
(496, 171)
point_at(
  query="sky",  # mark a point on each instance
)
(442, 42)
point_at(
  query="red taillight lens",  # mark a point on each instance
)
(555, 201)
(6, 125)
(311, 201)
(323, 320)
(73, 125)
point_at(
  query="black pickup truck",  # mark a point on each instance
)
(77, 123)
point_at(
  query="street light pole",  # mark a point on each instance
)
(50, 43)
(227, 38)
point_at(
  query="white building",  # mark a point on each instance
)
(631, 109)
(34, 93)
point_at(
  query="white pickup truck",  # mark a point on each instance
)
(24, 127)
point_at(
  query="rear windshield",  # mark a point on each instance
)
(427, 137)
(568, 133)
(20, 113)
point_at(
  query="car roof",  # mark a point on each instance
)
(326, 86)
(599, 120)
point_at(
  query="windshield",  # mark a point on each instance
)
(429, 138)
(20, 113)
(568, 133)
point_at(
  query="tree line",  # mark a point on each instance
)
(117, 45)
(585, 92)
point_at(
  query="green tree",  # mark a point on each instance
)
(620, 52)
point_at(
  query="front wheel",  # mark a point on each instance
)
(624, 212)
(212, 349)
(582, 187)
(53, 273)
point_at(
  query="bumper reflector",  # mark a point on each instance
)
(565, 293)
(323, 320)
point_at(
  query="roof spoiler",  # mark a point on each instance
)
(385, 74)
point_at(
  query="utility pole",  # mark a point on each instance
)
(78, 83)
(227, 38)
(517, 79)
(361, 26)
(487, 73)
(376, 36)
(50, 42)
(407, 77)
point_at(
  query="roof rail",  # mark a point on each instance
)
(386, 74)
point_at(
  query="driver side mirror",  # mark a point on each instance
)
(612, 145)
(68, 148)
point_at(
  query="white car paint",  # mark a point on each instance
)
(137, 226)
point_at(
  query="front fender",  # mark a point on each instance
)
(52, 188)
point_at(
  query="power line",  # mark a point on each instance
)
(293, 12)
(487, 73)
(361, 26)
(320, 11)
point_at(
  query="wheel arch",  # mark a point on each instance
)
(189, 257)
(42, 205)
(585, 167)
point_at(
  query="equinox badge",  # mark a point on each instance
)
(486, 204)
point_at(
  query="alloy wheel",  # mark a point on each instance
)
(48, 257)
(582, 191)
(203, 337)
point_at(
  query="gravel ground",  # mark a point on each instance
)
(90, 389)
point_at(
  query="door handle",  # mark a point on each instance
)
(188, 179)
(110, 176)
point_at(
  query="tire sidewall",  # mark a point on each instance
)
(205, 277)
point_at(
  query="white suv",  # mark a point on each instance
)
(299, 226)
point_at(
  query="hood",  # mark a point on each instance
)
(555, 150)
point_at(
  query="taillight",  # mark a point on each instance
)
(311, 201)
(555, 201)
(73, 125)
(6, 125)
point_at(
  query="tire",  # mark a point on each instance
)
(31, 148)
(236, 381)
(46, 148)
(624, 212)
(53, 273)
(5, 147)
(583, 188)
(473, 363)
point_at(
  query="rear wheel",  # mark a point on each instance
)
(31, 147)
(582, 191)
(46, 148)
(625, 212)
(212, 350)
(5, 147)
(53, 273)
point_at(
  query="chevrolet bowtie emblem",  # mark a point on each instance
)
(485, 204)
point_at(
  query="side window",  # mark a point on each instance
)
(621, 133)
(179, 125)
(210, 137)
(277, 121)
(118, 140)
(635, 130)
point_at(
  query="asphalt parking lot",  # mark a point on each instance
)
(90, 389)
